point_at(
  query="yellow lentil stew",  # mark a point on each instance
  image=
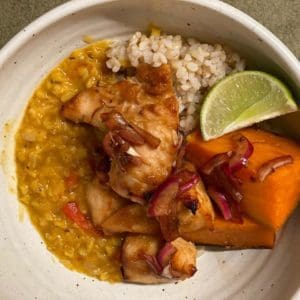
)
(49, 150)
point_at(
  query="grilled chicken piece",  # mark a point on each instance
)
(194, 207)
(204, 215)
(102, 202)
(82, 108)
(135, 267)
(183, 261)
(180, 264)
(131, 218)
(156, 81)
(149, 105)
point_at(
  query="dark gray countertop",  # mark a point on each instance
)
(282, 17)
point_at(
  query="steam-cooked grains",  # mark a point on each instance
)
(196, 66)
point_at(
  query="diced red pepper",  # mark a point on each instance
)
(72, 212)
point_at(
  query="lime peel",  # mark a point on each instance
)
(241, 100)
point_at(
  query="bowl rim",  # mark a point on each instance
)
(74, 6)
(70, 7)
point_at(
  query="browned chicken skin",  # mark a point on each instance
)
(150, 105)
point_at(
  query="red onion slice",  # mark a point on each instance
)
(162, 205)
(241, 154)
(270, 166)
(165, 254)
(128, 131)
(149, 138)
(215, 161)
(221, 202)
(119, 144)
(116, 147)
(191, 204)
(113, 144)
(225, 182)
(236, 212)
(131, 136)
(107, 144)
(188, 185)
(186, 180)
(234, 179)
(153, 263)
(160, 202)
(113, 120)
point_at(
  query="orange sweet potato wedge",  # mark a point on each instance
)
(225, 233)
(269, 202)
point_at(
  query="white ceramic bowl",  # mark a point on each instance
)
(27, 269)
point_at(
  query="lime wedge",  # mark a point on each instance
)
(242, 99)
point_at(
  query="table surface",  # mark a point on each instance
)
(280, 16)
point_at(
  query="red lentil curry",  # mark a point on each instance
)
(53, 167)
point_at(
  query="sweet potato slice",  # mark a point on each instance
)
(227, 233)
(131, 218)
(135, 267)
(269, 202)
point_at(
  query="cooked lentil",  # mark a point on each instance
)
(49, 149)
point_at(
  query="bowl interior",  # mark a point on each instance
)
(28, 58)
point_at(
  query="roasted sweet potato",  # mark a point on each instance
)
(227, 233)
(131, 218)
(269, 202)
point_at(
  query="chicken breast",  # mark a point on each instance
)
(204, 215)
(130, 218)
(102, 202)
(183, 262)
(135, 267)
(149, 110)
(143, 258)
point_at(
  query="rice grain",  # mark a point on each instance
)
(196, 66)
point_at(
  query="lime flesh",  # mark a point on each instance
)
(241, 100)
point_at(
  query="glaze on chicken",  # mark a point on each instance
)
(140, 119)
(148, 104)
